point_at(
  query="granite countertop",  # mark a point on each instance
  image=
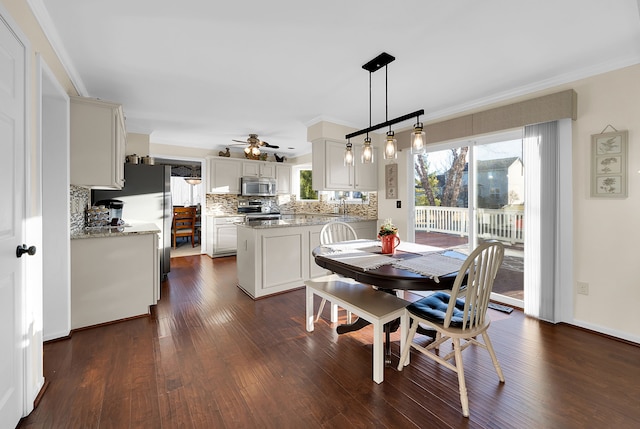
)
(226, 215)
(316, 219)
(120, 231)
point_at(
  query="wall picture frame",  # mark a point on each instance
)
(609, 177)
(391, 181)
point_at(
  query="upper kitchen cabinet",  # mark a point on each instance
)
(283, 179)
(258, 169)
(330, 173)
(224, 176)
(98, 140)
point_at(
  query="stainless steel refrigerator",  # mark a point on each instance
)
(147, 198)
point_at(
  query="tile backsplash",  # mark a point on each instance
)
(80, 199)
(223, 204)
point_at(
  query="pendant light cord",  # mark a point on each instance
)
(369, 102)
(386, 95)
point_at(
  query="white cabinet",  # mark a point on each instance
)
(283, 179)
(274, 260)
(113, 278)
(259, 169)
(224, 176)
(222, 235)
(366, 175)
(330, 173)
(97, 143)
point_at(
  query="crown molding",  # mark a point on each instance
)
(562, 79)
(41, 14)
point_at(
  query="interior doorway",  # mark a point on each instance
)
(472, 191)
(188, 190)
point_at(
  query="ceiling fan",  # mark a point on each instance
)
(254, 144)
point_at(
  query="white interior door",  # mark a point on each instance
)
(12, 213)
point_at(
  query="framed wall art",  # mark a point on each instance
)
(391, 181)
(609, 164)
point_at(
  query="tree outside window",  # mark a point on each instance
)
(306, 186)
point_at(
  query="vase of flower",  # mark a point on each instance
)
(388, 236)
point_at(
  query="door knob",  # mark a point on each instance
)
(20, 250)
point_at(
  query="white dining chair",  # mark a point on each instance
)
(334, 232)
(459, 317)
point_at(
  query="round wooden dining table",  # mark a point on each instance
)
(388, 276)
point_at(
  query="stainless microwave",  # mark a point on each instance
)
(258, 186)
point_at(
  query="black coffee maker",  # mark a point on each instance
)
(115, 210)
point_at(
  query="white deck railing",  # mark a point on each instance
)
(498, 224)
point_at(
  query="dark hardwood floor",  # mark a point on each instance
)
(210, 357)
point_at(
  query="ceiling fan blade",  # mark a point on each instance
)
(239, 141)
(267, 144)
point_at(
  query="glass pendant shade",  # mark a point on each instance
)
(255, 151)
(193, 180)
(247, 150)
(348, 155)
(390, 146)
(418, 139)
(367, 151)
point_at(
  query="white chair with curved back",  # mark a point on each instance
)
(458, 316)
(334, 232)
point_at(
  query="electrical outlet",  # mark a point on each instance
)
(583, 288)
(398, 204)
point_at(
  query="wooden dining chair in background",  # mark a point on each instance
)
(459, 315)
(184, 224)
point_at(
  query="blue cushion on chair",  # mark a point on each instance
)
(434, 309)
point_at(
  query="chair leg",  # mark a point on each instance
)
(494, 358)
(464, 400)
(322, 303)
(407, 344)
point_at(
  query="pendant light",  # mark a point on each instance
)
(348, 155)
(193, 179)
(367, 151)
(418, 141)
(391, 144)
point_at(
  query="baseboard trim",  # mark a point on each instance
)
(616, 337)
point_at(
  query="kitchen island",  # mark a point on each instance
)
(115, 273)
(275, 256)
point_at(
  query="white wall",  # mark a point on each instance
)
(607, 231)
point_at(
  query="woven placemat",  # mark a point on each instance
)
(433, 265)
(348, 246)
(364, 261)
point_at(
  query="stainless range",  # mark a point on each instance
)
(258, 210)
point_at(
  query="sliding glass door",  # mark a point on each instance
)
(470, 192)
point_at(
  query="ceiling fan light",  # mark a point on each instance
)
(367, 151)
(255, 151)
(348, 155)
(247, 150)
(391, 146)
(418, 139)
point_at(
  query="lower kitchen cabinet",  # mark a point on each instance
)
(222, 235)
(278, 259)
(113, 278)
